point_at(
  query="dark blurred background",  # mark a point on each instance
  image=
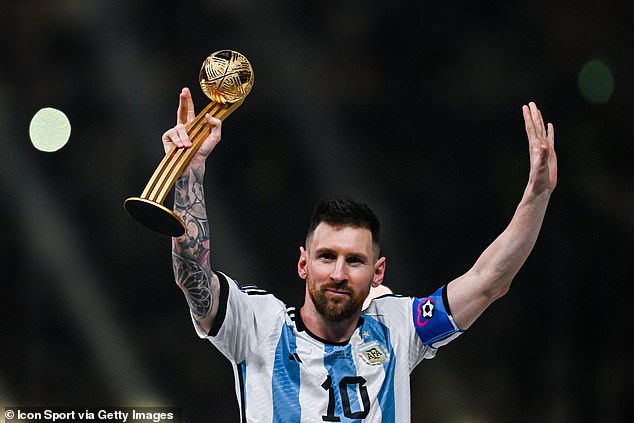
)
(414, 107)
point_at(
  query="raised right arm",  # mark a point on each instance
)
(190, 252)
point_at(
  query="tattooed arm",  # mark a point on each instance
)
(190, 252)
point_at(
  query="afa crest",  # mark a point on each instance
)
(374, 353)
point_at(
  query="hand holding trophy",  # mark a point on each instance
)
(226, 77)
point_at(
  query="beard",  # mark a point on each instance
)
(334, 309)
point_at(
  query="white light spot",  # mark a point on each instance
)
(49, 129)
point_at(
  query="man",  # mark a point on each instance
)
(330, 361)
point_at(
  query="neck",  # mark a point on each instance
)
(335, 332)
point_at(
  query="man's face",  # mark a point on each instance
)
(339, 265)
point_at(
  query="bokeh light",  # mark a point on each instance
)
(49, 129)
(596, 82)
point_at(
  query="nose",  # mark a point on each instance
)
(338, 273)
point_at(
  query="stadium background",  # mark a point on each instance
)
(413, 107)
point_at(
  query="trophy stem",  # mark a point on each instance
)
(148, 209)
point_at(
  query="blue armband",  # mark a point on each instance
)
(432, 319)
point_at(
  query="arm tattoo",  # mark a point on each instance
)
(195, 282)
(190, 253)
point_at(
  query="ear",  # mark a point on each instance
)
(379, 272)
(302, 263)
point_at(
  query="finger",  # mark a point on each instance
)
(170, 139)
(214, 122)
(550, 139)
(183, 137)
(528, 123)
(185, 113)
(541, 123)
(177, 136)
(551, 135)
(216, 126)
(190, 106)
(168, 136)
(181, 114)
(538, 122)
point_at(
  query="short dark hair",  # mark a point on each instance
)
(345, 211)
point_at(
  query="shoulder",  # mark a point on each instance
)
(390, 309)
(244, 302)
(387, 301)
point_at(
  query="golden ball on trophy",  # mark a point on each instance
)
(226, 76)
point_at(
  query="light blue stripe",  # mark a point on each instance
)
(285, 383)
(339, 363)
(380, 332)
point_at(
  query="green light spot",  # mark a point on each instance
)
(596, 82)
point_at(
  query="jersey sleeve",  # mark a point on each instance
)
(433, 322)
(246, 314)
(421, 325)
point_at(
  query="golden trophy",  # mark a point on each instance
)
(226, 77)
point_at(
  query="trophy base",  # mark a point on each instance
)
(154, 216)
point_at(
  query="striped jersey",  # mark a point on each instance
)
(284, 373)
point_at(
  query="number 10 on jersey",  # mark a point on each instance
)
(353, 383)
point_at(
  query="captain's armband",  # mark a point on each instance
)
(432, 319)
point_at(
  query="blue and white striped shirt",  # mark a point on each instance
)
(283, 373)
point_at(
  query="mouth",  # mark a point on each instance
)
(338, 292)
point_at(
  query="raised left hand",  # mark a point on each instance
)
(541, 142)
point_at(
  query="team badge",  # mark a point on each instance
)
(374, 353)
(425, 311)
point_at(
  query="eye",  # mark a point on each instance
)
(327, 256)
(355, 260)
